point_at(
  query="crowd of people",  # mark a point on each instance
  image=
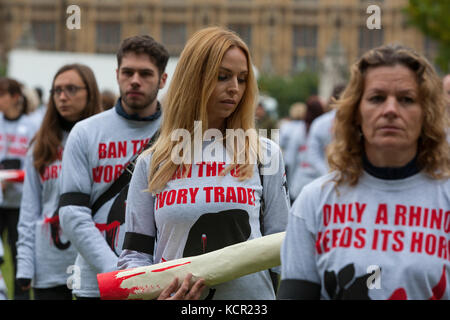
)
(361, 187)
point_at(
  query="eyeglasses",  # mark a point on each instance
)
(70, 90)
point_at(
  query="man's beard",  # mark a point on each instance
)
(141, 104)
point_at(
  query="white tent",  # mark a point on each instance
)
(36, 68)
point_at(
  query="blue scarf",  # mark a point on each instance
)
(121, 112)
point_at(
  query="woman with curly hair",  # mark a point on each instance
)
(377, 226)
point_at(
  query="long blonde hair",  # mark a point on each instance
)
(346, 151)
(193, 82)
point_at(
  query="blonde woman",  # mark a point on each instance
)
(179, 205)
(377, 226)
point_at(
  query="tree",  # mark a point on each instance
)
(288, 90)
(432, 18)
(2, 69)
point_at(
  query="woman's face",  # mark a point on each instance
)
(230, 87)
(390, 115)
(70, 95)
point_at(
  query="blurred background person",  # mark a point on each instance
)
(32, 99)
(288, 128)
(38, 114)
(321, 135)
(16, 133)
(43, 251)
(314, 108)
(314, 163)
(263, 120)
(108, 99)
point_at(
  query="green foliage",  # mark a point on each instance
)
(2, 70)
(288, 90)
(433, 19)
(7, 268)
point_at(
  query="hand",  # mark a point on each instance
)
(183, 293)
(24, 284)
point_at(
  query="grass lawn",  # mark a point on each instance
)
(7, 268)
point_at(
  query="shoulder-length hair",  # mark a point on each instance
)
(192, 85)
(49, 136)
(345, 153)
(13, 87)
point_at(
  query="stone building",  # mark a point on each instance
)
(284, 36)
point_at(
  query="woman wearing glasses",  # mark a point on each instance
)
(44, 254)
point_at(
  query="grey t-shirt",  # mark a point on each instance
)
(205, 212)
(382, 239)
(97, 151)
(44, 253)
(15, 136)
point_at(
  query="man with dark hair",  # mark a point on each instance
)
(144, 44)
(94, 177)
